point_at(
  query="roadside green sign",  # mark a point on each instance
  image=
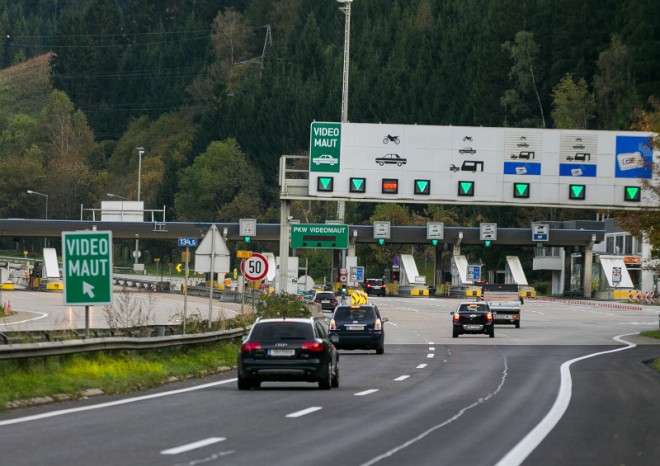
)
(324, 147)
(324, 235)
(87, 261)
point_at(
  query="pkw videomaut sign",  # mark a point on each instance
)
(87, 260)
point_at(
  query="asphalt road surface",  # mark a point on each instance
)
(566, 388)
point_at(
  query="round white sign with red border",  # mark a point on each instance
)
(254, 268)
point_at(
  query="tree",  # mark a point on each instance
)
(525, 75)
(217, 182)
(573, 105)
(614, 86)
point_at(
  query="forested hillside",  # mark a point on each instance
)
(216, 91)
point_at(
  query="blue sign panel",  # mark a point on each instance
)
(184, 242)
(359, 274)
(522, 168)
(634, 157)
(576, 170)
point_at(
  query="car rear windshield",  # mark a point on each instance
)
(363, 313)
(472, 308)
(282, 331)
(375, 282)
(325, 295)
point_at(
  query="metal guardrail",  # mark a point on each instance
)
(57, 348)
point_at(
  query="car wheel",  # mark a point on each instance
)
(380, 349)
(517, 324)
(335, 378)
(243, 384)
(325, 383)
(455, 334)
(491, 332)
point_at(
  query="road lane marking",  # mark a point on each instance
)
(430, 355)
(193, 446)
(421, 366)
(400, 378)
(303, 412)
(456, 416)
(367, 392)
(109, 404)
(41, 315)
(431, 348)
(528, 444)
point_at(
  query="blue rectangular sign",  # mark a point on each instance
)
(184, 242)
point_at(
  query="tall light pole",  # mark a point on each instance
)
(137, 241)
(29, 191)
(346, 8)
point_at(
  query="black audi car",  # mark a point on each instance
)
(288, 349)
(475, 317)
(358, 327)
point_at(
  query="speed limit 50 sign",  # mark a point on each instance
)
(254, 268)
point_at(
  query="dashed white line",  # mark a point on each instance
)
(430, 355)
(304, 412)
(421, 366)
(400, 378)
(367, 392)
(431, 348)
(192, 446)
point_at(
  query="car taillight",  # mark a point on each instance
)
(313, 346)
(332, 324)
(250, 346)
(457, 317)
(516, 316)
(489, 316)
(317, 300)
(333, 301)
(378, 325)
(368, 285)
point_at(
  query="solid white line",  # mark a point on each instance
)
(401, 377)
(532, 440)
(430, 355)
(367, 392)
(42, 315)
(304, 411)
(431, 343)
(109, 404)
(192, 446)
(421, 366)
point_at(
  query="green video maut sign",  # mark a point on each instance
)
(87, 261)
(324, 235)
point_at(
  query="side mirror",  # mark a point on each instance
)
(452, 313)
(384, 319)
(334, 338)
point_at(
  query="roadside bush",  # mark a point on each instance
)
(285, 305)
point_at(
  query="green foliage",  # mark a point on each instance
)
(573, 105)
(285, 305)
(112, 372)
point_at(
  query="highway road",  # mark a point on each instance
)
(569, 387)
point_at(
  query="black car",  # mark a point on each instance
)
(288, 349)
(506, 312)
(358, 327)
(326, 299)
(391, 159)
(375, 286)
(473, 317)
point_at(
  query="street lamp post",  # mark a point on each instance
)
(29, 191)
(341, 205)
(137, 241)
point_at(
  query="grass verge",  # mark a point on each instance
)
(653, 334)
(62, 377)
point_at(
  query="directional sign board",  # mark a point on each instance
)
(324, 236)
(435, 230)
(488, 231)
(87, 259)
(382, 230)
(247, 227)
(254, 268)
(540, 231)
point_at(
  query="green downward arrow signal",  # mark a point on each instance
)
(577, 189)
(632, 193)
(421, 185)
(357, 183)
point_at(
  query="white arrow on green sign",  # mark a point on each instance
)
(87, 260)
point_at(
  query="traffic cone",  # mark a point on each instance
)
(9, 308)
(4, 308)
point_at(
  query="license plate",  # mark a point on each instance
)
(473, 327)
(281, 352)
(355, 327)
(325, 301)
